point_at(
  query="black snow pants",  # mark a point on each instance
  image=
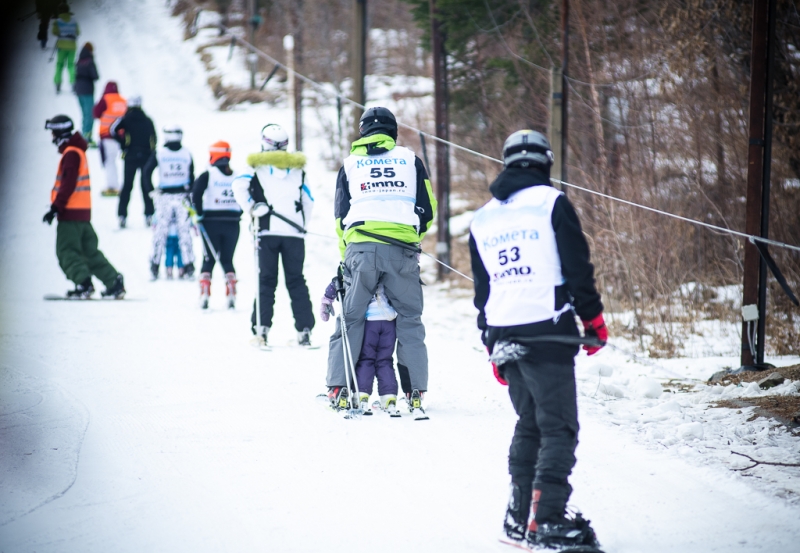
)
(224, 234)
(543, 448)
(292, 253)
(134, 161)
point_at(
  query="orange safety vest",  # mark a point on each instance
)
(116, 106)
(81, 198)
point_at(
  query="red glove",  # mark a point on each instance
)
(595, 327)
(497, 375)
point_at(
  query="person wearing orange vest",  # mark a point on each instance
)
(71, 202)
(111, 107)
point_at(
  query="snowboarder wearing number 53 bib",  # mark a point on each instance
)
(530, 262)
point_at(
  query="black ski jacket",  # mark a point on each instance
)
(136, 133)
(199, 188)
(85, 73)
(579, 288)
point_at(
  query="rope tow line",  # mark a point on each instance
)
(750, 237)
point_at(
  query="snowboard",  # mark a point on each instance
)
(566, 549)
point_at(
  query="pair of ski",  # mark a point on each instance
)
(345, 408)
(60, 297)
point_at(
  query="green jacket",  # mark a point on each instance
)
(425, 205)
(66, 30)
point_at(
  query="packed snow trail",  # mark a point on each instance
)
(154, 426)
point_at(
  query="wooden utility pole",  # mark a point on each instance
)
(298, 66)
(442, 149)
(252, 57)
(358, 59)
(564, 87)
(755, 223)
(288, 46)
(556, 122)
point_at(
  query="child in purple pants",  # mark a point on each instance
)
(377, 350)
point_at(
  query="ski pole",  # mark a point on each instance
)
(53, 53)
(409, 247)
(346, 352)
(257, 246)
(25, 17)
(208, 244)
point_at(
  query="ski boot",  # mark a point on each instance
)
(82, 291)
(230, 289)
(153, 271)
(148, 221)
(205, 289)
(339, 397)
(123, 221)
(388, 404)
(261, 337)
(169, 273)
(186, 272)
(414, 400)
(116, 290)
(364, 403)
(515, 525)
(564, 534)
(304, 337)
(58, 88)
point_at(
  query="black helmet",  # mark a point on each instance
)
(62, 127)
(378, 120)
(527, 148)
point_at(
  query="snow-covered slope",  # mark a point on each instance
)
(149, 425)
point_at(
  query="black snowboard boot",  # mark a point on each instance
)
(116, 290)
(564, 533)
(515, 525)
(82, 291)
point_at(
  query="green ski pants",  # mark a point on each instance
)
(78, 256)
(65, 57)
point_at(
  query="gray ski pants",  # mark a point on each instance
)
(365, 265)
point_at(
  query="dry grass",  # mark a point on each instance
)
(783, 408)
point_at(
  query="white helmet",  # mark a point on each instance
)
(273, 137)
(527, 148)
(134, 101)
(172, 133)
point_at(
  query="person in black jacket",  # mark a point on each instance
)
(85, 76)
(531, 268)
(46, 10)
(137, 136)
(218, 217)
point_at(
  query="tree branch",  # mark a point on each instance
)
(757, 462)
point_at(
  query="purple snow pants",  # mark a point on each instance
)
(376, 358)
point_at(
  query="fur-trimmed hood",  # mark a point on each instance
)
(279, 159)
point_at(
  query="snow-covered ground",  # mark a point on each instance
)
(148, 425)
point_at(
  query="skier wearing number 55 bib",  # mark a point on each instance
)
(383, 208)
(531, 268)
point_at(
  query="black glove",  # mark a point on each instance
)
(49, 216)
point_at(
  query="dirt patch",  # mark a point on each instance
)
(785, 409)
(789, 373)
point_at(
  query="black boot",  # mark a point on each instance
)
(187, 271)
(82, 291)
(564, 533)
(519, 508)
(116, 290)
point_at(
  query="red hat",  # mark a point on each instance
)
(218, 150)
